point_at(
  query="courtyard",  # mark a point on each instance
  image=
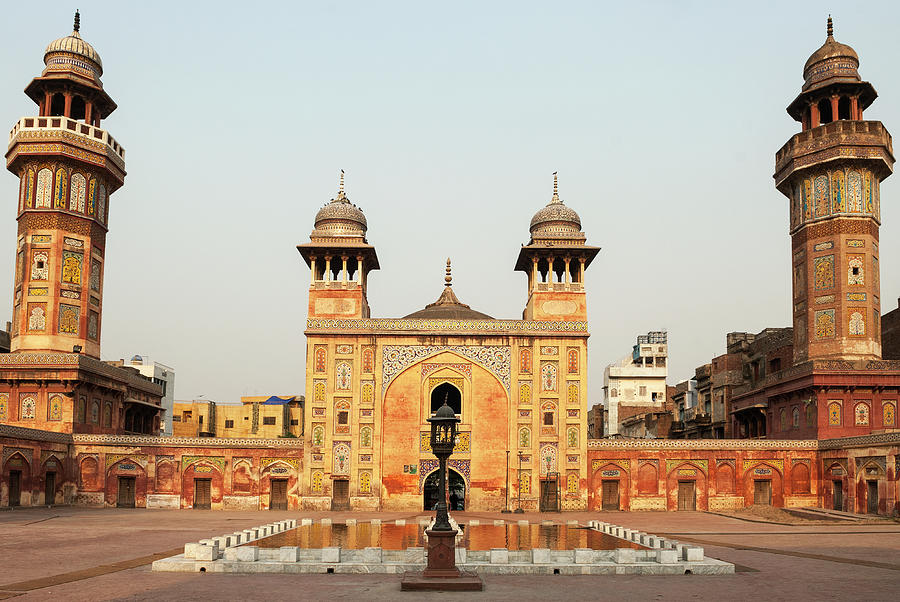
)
(105, 554)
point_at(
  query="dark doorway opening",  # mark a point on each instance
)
(610, 493)
(340, 494)
(687, 495)
(550, 493)
(202, 494)
(278, 498)
(872, 497)
(50, 488)
(15, 487)
(837, 495)
(446, 391)
(762, 492)
(125, 495)
(456, 491)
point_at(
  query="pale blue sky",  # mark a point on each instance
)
(661, 118)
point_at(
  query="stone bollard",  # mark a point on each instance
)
(474, 522)
(541, 556)
(246, 553)
(332, 555)
(326, 522)
(625, 555)
(498, 522)
(666, 556)
(223, 542)
(399, 521)
(237, 538)
(207, 552)
(375, 521)
(305, 521)
(499, 556)
(584, 555)
(190, 550)
(350, 521)
(693, 553)
(289, 554)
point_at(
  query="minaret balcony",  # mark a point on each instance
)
(322, 285)
(48, 129)
(547, 287)
(844, 139)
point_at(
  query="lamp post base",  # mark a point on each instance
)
(465, 582)
(440, 573)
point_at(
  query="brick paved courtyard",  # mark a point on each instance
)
(87, 554)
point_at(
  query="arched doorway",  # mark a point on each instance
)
(446, 391)
(456, 488)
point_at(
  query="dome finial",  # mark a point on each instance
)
(555, 198)
(829, 29)
(341, 187)
(448, 278)
(77, 21)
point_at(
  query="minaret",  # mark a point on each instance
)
(67, 167)
(831, 172)
(555, 260)
(340, 260)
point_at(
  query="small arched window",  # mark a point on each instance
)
(446, 392)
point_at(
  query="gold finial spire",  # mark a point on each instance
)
(555, 188)
(77, 21)
(448, 278)
(829, 29)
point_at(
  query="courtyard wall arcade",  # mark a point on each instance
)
(857, 474)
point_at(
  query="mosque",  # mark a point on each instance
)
(76, 430)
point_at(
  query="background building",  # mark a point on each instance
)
(254, 417)
(162, 375)
(636, 383)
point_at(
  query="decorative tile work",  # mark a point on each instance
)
(264, 463)
(824, 299)
(4, 406)
(822, 193)
(344, 349)
(37, 317)
(572, 413)
(40, 267)
(572, 361)
(572, 458)
(318, 435)
(365, 437)
(825, 324)
(524, 394)
(343, 373)
(463, 443)
(341, 459)
(426, 467)
(101, 203)
(318, 412)
(823, 268)
(70, 294)
(702, 464)
(92, 196)
(319, 361)
(319, 390)
(434, 382)
(855, 270)
(888, 412)
(549, 458)
(38, 291)
(834, 413)
(316, 480)
(856, 243)
(572, 437)
(71, 267)
(37, 239)
(525, 360)
(465, 369)
(55, 412)
(68, 318)
(365, 481)
(77, 194)
(44, 185)
(59, 195)
(799, 280)
(95, 275)
(548, 377)
(365, 458)
(525, 414)
(525, 482)
(779, 464)
(838, 200)
(368, 392)
(496, 359)
(573, 396)
(572, 483)
(27, 405)
(861, 414)
(425, 325)
(366, 412)
(186, 461)
(368, 360)
(856, 322)
(623, 464)
(856, 296)
(549, 350)
(525, 437)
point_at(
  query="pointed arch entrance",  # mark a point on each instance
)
(456, 491)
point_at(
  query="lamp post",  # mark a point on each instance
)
(519, 486)
(442, 535)
(440, 572)
(506, 509)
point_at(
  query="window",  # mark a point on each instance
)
(653, 396)
(294, 422)
(229, 424)
(548, 418)
(642, 391)
(201, 419)
(268, 420)
(176, 418)
(343, 417)
(187, 416)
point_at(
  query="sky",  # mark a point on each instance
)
(662, 119)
